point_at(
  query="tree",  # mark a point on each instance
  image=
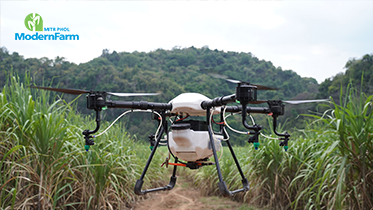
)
(171, 72)
(105, 53)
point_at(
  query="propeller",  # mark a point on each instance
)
(78, 92)
(62, 90)
(259, 87)
(132, 94)
(305, 101)
(292, 101)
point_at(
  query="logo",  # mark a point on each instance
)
(34, 22)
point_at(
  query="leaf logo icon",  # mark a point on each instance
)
(34, 22)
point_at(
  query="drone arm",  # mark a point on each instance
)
(218, 101)
(259, 110)
(139, 105)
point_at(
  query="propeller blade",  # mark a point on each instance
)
(292, 102)
(234, 81)
(62, 90)
(78, 92)
(305, 101)
(218, 76)
(260, 87)
(132, 94)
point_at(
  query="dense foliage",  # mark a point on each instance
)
(176, 71)
(170, 72)
(329, 164)
(356, 69)
(43, 162)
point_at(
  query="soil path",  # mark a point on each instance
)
(184, 197)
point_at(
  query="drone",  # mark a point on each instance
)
(192, 142)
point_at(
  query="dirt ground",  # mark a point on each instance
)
(184, 197)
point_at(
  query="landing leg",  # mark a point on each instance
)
(140, 181)
(170, 185)
(222, 185)
(244, 181)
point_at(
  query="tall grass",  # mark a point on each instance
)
(352, 124)
(329, 164)
(43, 162)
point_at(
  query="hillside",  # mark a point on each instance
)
(161, 70)
(44, 164)
(358, 71)
(172, 72)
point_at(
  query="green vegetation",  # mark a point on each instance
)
(355, 68)
(175, 71)
(44, 166)
(170, 72)
(43, 162)
(329, 164)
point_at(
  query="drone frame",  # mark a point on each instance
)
(246, 93)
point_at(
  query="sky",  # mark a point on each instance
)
(313, 38)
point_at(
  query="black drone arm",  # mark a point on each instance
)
(238, 108)
(139, 105)
(98, 102)
(218, 101)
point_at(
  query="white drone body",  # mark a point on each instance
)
(190, 103)
(190, 140)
